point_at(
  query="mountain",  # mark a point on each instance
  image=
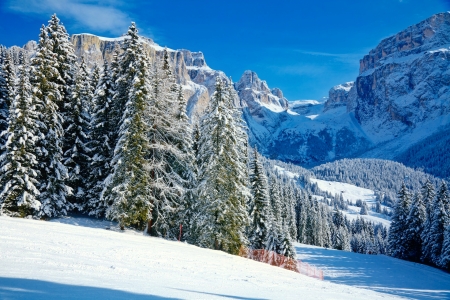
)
(398, 107)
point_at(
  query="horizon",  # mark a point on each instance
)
(244, 36)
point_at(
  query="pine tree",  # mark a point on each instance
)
(223, 187)
(397, 239)
(128, 189)
(428, 195)
(413, 234)
(7, 83)
(19, 170)
(102, 128)
(183, 164)
(76, 158)
(65, 58)
(440, 219)
(445, 253)
(260, 212)
(46, 89)
(170, 157)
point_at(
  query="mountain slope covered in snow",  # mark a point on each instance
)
(45, 260)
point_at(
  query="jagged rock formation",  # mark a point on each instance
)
(398, 104)
(342, 95)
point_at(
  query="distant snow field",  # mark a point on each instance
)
(82, 260)
(352, 193)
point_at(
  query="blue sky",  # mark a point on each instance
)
(302, 47)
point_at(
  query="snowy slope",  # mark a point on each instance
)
(49, 260)
(378, 272)
(349, 192)
(352, 193)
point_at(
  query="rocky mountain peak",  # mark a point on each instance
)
(431, 33)
(250, 80)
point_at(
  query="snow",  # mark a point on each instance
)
(312, 117)
(76, 258)
(378, 272)
(352, 193)
(297, 103)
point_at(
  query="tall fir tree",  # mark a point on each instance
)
(128, 189)
(428, 195)
(77, 156)
(415, 222)
(46, 87)
(445, 253)
(168, 154)
(101, 146)
(19, 172)
(183, 163)
(397, 238)
(7, 83)
(223, 185)
(440, 219)
(65, 57)
(260, 211)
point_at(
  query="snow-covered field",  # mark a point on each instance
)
(82, 260)
(378, 272)
(352, 193)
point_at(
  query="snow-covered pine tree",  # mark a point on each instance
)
(223, 185)
(428, 195)
(65, 58)
(102, 129)
(397, 242)
(46, 87)
(19, 171)
(183, 163)
(415, 222)
(7, 78)
(277, 220)
(440, 219)
(445, 254)
(340, 236)
(128, 189)
(169, 157)
(119, 99)
(260, 211)
(77, 156)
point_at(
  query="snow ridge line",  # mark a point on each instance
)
(278, 260)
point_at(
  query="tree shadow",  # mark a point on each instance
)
(221, 295)
(380, 273)
(19, 288)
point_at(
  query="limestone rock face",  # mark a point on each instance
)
(342, 95)
(405, 81)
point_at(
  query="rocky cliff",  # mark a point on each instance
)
(399, 102)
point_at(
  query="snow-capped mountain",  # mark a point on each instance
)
(397, 108)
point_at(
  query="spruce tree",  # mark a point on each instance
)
(440, 219)
(19, 172)
(445, 253)
(428, 195)
(397, 239)
(128, 191)
(415, 222)
(65, 58)
(76, 158)
(168, 154)
(183, 163)
(223, 187)
(260, 211)
(46, 87)
(102, 128)
(7, 78)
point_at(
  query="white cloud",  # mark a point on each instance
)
(348, 58)
(106, 16)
